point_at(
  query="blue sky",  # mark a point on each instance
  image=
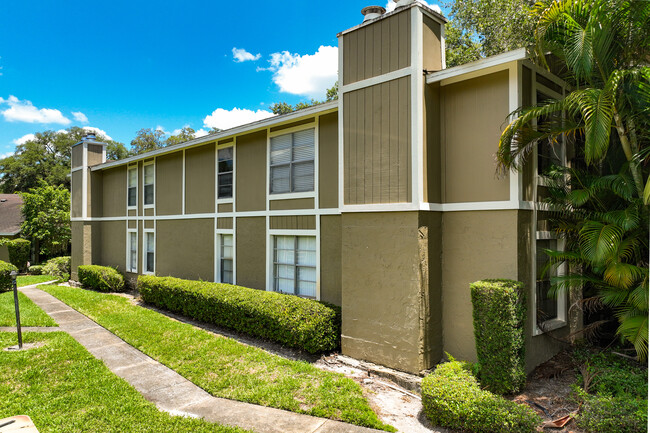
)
(121, 66)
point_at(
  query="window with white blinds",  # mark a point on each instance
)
(132, 187)
(294, 265)
(225, 259)
(149, 184)
(292, 162)
(149, 252)
(132, 247)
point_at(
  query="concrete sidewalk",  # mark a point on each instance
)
(167, 389)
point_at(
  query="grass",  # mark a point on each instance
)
(63, 388)
(26, 280)
(30, 314)
(224, 367)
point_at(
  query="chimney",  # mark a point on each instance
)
(88, 137)
(400, 3)
(372, 12)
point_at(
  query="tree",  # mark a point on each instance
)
(185, 134)
(604, 45)
(460, 46)
(115, 151)
(332, 94)
(146, 140)
(495, 26)
(46, 210)
(45, 157)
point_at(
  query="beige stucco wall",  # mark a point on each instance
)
(330, 259)
(251, 252)
(381, 289)
(185, 248)
(328, 161)
(169, 184)
(476, 245)
(250, 172)
(378, 48)
(114, 192)
(199, 179)
(473, 115)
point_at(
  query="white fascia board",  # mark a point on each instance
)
(250, 127)
(499, 59)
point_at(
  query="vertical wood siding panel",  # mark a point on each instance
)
(361, 58)
(394, 143)
(394, 44)
(346, 147)
(385, 46)
(376, 54)
(346, 55)
(376, 144)
(368, 51)
(385, 145)
(361, 109)
(368, 145)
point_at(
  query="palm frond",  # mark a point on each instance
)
(599, 241)
(623, 275)
(635, 330)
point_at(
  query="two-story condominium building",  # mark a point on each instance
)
(384, 202)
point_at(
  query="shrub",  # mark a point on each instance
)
(286, 319)
(101, 278)
(19, 251)
(452, 398)
(613, 414)
(5, 275)
(58, 267)
(36, 270)
(499, 309)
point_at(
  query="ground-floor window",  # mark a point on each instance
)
(226, 258)
(294, 265)
(132, 251)
(149, 252)
(547, 304)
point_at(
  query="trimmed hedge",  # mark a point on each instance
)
(289, 320)
(35, 270)
(499, 310)
(19, 251)
(101, 278)
(5, 275)
(58, 267)
(452, 398)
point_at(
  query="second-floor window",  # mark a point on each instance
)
(292, 162)
(149, 184)
(132, 187)
(225, 168)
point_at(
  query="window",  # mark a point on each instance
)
(292, 162)
(149, 251)
(549, 152)
(225, 259)
(132, 187)
(149, 184)
(224, 167)
(546, 304)
(294, 265)
(132, 251)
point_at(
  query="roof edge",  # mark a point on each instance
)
(499, 59)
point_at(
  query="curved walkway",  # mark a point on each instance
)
(170, 391)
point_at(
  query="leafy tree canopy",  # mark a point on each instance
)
(46, 210)
(278, 108)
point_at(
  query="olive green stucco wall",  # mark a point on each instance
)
(185, 248)
(251, 252)
(250, 172)
(169, 184)
(330, 259)
(199, 179)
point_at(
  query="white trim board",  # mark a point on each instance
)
(478, 66)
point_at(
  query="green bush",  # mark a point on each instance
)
(613, 414)
(58, 267)
(35, 270)
(499, 310)
(19, 252)
(452, 398)
(288, 320)
(101, 278)
(5, 275)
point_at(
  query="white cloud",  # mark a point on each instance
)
(390, 6)
(80, 117)
(97, 131)
(310, 75)
(161, 129)
(24, 139)
(5, 155)
(201, 133)
(241, 55)
(24, 111)
(226, 119)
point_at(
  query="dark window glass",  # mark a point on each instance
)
(148, 194)
(133, 196)
(225, 169)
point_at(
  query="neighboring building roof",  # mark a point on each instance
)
(11, 216)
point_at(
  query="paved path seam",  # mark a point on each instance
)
(170, 391)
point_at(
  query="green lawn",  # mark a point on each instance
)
(30, 314)
(63, 388)
(222, 366)
(26, 280)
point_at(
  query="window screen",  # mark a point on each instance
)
(292, 162)
(294, 264)
(226, 259)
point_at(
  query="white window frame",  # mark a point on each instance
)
(270, 272)
(128, 250)
(144, 251)
(217, 276)
(128, 169)
(292, 195)
(225, 199)
(144, 167)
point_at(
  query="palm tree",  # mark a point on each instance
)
(604, 46)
